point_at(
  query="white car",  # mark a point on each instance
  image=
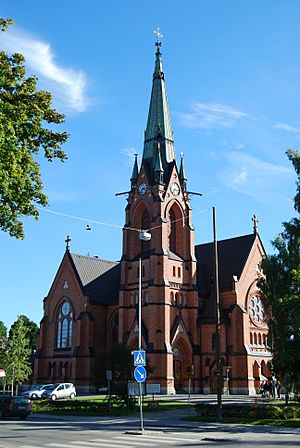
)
(35, 392)
(60, 390)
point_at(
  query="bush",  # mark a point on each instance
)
(255, 411)
(61, 406)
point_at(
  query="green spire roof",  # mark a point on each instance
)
(182, 175)
(159, 127)
(135, 172)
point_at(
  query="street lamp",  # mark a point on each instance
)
(218, 321)
(144, 235)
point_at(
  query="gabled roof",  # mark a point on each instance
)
(100, 278)
(232, 256)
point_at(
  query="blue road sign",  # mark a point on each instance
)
(140, 374)
(139, 357)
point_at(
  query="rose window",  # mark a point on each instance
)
(256, 310)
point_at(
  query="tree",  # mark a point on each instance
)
(18, 353)
(32, 331)
(3, 330)
(3, 345)
(24, 113)
(280, 288)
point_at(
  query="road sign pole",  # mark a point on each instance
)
(141, 409)
(140, 304)
(140, 339)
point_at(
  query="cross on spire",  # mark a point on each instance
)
(255, 223)
(159, 36)
(67, 241)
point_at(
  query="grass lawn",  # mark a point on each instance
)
(290, 423)
(97, 406)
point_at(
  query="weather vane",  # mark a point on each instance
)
(159, 36)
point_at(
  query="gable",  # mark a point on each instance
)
(232, 257)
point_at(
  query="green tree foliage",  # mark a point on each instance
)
(281, 291)
(18, 353)
(25, 112)
(3, 345)
(32, 331)
(3, 330)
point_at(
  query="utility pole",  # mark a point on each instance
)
(218, 321)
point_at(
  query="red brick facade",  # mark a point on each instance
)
(93, 303)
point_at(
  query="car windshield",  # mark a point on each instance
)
(37, 387)
(50, 387)
(21, 400)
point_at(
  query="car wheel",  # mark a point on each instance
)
(23, 417)
(34, 396)
(53, 397)
(72, 395)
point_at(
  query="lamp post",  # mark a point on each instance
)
(218, 321)
(144, 235)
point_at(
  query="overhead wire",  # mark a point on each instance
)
(93, 221)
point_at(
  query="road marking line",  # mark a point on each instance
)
(130, 442)
(62, 445)
(160, 438)
(100, 443)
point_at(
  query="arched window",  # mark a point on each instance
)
(255, 338)
(115, 329)
(259, 338)
(176, 298)
(265, 339)
(145, 225)
(64, 325)
(251, 339)
(214, 341)
(172, 231)
(172, 297)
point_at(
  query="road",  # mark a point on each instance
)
(161, 430)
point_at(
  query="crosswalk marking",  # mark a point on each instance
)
(153, 438)
(124, 442)
(63, 445)
(128, 442)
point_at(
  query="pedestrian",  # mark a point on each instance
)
(278, 388)
(273, 386)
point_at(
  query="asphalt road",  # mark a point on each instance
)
(161, 430)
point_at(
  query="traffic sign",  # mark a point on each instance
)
(140, 374)
(139, 357)
(2, 373)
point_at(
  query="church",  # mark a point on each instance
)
(93, 303)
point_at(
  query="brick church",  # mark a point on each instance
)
(93, 303)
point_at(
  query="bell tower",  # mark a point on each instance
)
(159, 203)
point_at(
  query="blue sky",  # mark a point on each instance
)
(232, 72)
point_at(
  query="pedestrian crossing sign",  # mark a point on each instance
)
(139, 357)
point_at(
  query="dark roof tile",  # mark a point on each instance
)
(100, 278)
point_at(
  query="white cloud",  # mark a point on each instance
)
(67, 84)
(211, 116)
(253, 177)
(288, 128)
(129, 154)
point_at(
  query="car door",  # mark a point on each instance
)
(60, 391)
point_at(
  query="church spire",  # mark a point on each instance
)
(159, 127)
(135, 172)
(182, 175)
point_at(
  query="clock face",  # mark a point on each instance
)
(142, 188)
(175, 188)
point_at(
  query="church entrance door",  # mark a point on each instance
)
(178, 379)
